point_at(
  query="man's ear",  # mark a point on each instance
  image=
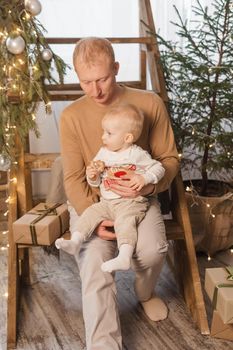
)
(116, 67)
(129, 138)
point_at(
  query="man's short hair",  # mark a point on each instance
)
(88, 50)
(131, 116)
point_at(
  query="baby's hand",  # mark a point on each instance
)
(91, 172)
(137, 182)
(95, 169)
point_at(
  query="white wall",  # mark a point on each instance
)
(107, 18)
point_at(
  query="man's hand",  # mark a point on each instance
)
(123, 188)
(102, 232)
(137, 182)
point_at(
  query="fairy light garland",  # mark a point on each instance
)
(24, 65)
(191, 189)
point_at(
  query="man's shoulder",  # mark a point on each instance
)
(140, 95)
(74, 109)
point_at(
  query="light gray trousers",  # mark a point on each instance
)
(100, 310)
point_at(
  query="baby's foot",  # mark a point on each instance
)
(119, 263)
(69, 246)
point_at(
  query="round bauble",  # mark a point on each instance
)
(15, 45)
(5, 163)
(33, 6)
(47, 54)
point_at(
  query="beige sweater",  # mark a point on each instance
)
(81, 131)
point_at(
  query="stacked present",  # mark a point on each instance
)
(219, 287)
(42, 225)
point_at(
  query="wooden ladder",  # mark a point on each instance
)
(178, 229)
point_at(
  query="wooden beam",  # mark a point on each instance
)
(157, 78)
(138, 40)
(68, 92)
(186, 261)
(76, 87)
(24, 182)
(13, 273)
(143, 69)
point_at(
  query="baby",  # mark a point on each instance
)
(118, 160)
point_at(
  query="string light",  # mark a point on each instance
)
(14, 180)
(21, 61)
(48, 104)
(7, 200)
(209, 257)
(3, 248)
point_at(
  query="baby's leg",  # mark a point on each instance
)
(71, 246)
(122, 261)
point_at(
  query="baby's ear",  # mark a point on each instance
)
(129, 138)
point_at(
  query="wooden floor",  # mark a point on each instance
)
(51, 313)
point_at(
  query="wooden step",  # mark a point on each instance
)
(173, 230)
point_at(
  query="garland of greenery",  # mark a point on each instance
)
(26, 65)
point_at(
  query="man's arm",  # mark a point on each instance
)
(162, 145)
(77, 190)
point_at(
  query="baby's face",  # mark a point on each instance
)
(114, 135)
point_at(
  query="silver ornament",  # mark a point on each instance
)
(5, 162)
(47, 55)
(15, 45)
(33, 6)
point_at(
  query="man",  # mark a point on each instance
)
(81, 131)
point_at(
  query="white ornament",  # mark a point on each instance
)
(5, 163)
(15, 45)
(33, 6)
(47, 55)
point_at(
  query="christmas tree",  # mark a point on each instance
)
(26, 66)
(199, 79)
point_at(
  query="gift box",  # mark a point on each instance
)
(42, 225)
(220, 329)
(219, 287)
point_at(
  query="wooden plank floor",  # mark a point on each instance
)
(51, 313)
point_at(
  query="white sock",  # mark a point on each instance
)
(122, 261)
(71, 246)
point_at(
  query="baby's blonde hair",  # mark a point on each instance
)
(89, 50)
(132, 118)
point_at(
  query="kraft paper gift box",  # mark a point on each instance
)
(42, 225)
(219, 287)
(220, 329)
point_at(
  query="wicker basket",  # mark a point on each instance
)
(212, 222)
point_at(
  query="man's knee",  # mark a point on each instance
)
(151, 256)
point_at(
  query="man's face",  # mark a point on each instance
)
(98, 81)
